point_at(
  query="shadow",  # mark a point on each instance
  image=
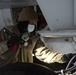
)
(52, 66)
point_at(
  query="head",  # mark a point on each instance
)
(27, 20)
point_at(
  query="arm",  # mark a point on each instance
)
(3, 47)
(46, 55)
(3, 42)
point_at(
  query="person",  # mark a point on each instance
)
(12, 50)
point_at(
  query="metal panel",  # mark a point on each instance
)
(59, 14)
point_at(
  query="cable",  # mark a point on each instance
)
(62, 72)
(69, 69)
(70, 62)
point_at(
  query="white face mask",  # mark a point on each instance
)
(31, 28)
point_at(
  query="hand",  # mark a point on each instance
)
(70, 55)
(13, 41)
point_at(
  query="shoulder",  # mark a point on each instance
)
(12, 28)
(9, 27)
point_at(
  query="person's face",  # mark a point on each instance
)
(26, 26)
(31, 26)
(22, 26)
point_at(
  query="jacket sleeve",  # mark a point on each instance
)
(46, 55)
(3, 41)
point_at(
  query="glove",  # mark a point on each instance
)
(14, 48)
(70, 55)
(13, 41)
